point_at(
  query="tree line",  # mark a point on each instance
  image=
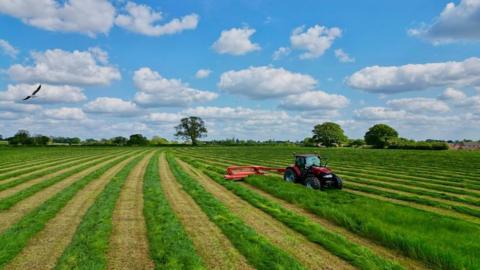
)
(381, 136)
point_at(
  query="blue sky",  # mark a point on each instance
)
(250, 69)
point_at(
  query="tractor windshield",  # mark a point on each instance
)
(312, 161)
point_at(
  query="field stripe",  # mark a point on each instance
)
(14, 239)
(448, 208)
(44, 249)
(8, 218)
(20, 164)
(390, 254)
(89, 246)
(10, 188)
(309, 254)
(211, 244)
(170, 246)
(128, 242)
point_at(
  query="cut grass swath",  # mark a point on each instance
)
(10, 201)
(170, 246)
(338, 245)
(16, 237)
(441, 242)
(258, 251)
(89, 246)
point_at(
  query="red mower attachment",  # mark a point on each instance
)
(240, 172)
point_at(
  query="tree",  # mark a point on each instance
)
(138, 139)
(329, 134)
(119, 140)
(41, 140)
(380, 135)
(191, 128)
(22, 137)
(157, 140)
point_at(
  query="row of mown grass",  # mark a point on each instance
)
(89, 246)
(439, 241)
(358, 256)
(7, 202)
(462, 209)
(9, 184)
(169, 245)
(258, 251)
(14, 239)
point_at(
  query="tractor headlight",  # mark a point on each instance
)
(327, 176)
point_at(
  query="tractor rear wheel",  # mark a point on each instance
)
(312, 182)
(338, 182)
(289, 175)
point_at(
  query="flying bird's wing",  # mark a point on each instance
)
(38, 89)
(28, 97)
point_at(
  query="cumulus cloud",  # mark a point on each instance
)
(63, 67)
(314, 100)
(456, 23)
(414, 77)
(10, 106)
(419, 105)
(89, 17)
(163, 118)
(202, 73)
(281, 52)
(315, 40)
(379, 113)
(8, 49)
(49, 94)
(111, 106)
(265, 82)
(236, 41)
(143, 19)
(343, 56)
(155, 90)
(65, 113)
(452, 94)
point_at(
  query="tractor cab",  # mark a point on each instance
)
(306, 161)
(309, 170)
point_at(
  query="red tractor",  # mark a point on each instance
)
(307, 170)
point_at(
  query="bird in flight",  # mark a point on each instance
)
(33, 95)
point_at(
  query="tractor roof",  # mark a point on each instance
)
(306, 155)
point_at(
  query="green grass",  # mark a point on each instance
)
(89, 246)
(8, 202)
(17, 236)
(337, 244)
(442, 242)
(170, 246)
(258, 251)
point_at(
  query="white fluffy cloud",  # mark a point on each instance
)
(343, 56)
(314, 100)
(49, 94)
(112, 106)
(202, 73)
(379, 113)
(8, 49)
(419, 105)
(452, 94)
(315, 40)
(163, 118)
(414, 77)
(236, 41)
(143, 20)
(84, 16)
(265, 82)
(155, 90)
(281, 52)
(10, 106)
(65, 113)
(456, 23)
(63, 67)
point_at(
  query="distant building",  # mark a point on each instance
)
(465, 146)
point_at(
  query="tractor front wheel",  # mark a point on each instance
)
(289, 175)
(312, 182)
(338, 182)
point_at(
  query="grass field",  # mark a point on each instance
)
(170, 208)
